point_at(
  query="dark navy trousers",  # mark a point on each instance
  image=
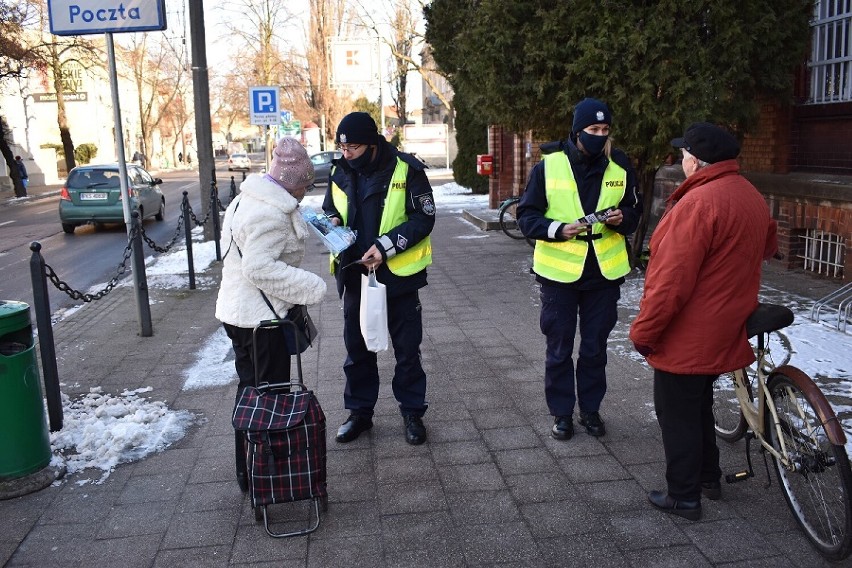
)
(561, 308)
(405, 325)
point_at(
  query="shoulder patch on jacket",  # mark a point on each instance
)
(427, 204)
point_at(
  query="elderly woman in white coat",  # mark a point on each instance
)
(263, 235)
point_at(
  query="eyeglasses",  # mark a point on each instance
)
(349, 147)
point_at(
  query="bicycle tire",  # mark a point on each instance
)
(818, 485)
(508, 222)
(728, 419)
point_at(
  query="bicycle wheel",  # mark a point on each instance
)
(817, 482)
(729, 422)
(508, 223)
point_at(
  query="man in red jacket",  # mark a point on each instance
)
(700, 287)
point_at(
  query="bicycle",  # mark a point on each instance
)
(508, 222)
(788, 414)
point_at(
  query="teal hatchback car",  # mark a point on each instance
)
(92, 194)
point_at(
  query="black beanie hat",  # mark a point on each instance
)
(588, 112)
(357, 128)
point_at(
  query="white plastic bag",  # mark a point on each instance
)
(374, 313)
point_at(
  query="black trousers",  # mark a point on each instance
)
(684, 406)
(405, 327)
(273, 359)
(273, 366)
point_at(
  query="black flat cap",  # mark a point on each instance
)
(708, 143)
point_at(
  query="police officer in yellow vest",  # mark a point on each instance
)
(580, 262)
(385, 197)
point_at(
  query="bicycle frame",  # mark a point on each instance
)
(756, 417)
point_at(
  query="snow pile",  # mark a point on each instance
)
(101, 430)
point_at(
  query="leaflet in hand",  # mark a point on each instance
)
(335, 238)
(596, 217)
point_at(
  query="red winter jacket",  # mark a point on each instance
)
(704, 274)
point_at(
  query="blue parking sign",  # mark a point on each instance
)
(263, 105)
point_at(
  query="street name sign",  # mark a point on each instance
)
(263, 105)
(81, 17)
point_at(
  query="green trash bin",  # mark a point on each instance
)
(24, 438)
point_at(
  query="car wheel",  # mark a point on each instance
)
(230, 169)
(68, 228)
(161, 214)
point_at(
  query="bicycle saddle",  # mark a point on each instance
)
(768, 317)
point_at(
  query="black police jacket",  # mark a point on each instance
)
(366, 192)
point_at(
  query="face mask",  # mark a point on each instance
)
(361, 161)
(594, 145)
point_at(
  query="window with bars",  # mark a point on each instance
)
(822, 253)
(831, 52)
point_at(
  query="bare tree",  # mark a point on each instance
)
(15, 59)
(328, 19)
(403, 34)
(155, 64)
(54, 54)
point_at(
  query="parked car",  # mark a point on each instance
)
(92, 194)
(239, 161)
(322, 166)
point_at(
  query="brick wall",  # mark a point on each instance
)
(767, 147)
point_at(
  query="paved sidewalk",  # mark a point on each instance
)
(489, 488)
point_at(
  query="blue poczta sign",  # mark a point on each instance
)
(80, 17)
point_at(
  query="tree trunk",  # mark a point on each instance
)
(9, 158)
(646, 186)
(62, 117)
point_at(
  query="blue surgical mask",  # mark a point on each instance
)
(361, 161)
(593, 145)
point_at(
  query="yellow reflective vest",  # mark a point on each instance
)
(563, 261)
(407, 262)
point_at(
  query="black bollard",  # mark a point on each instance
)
(244, 175)
(233, 188)
(140, 280)
(45, 338)
(214, 208)
(187, 228)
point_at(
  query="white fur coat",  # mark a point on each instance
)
(270, 232)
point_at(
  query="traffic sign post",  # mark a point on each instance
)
(82, 17)
(263, 110)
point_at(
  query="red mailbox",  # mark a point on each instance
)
(484, 164)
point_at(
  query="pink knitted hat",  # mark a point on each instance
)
(291, 167)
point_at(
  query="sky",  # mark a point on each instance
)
(102, 430)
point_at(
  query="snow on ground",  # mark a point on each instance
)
(102, 430)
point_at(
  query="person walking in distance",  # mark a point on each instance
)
(385, 197)
(580, 262)
(700, 287)
(264, 234)
(25, 177)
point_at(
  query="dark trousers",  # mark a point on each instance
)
(273, 366)
(273, 360)
(405, 326)
(684, 406)
(598, 313)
